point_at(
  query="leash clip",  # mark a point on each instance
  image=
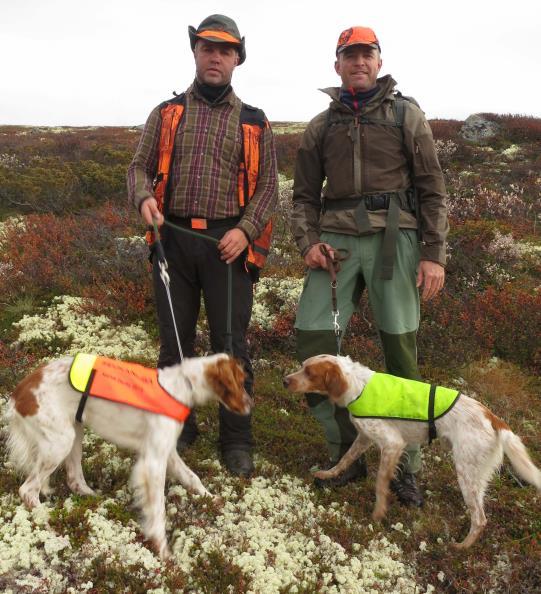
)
(336, 325)
(164, 275)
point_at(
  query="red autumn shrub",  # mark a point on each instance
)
(445, 339)
(98, 255)
(286, 152)
(507, 321)
(517, 127)
(445, 129)
(39, 258)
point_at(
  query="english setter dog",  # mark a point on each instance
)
(478, 438)
(44, 433)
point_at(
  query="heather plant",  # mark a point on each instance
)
(481, 202)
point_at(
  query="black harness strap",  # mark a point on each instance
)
(432, 433)
(84, 397)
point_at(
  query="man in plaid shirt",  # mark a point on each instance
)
(202, 194)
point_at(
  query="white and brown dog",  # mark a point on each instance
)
(43, 431)
(477, 437)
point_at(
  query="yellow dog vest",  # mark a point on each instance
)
(390, 397)
(125, 383)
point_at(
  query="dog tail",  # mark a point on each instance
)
(516, 451)
(21, 448)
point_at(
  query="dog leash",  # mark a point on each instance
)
(164, 275)
(333, 266)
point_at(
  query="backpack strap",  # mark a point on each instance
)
(252, 123)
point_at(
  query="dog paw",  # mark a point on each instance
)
(81, 489)
(218, 502)
(30, 501)
(378, 515)
(159, 548)
(323, 474)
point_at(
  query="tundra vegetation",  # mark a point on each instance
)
(74, 277)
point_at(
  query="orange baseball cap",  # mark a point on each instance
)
(357, 36)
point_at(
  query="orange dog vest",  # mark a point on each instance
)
(125, 383)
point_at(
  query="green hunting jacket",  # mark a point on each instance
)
(356, 158)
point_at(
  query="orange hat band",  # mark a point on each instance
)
(220, 35)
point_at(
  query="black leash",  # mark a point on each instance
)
(228, 338)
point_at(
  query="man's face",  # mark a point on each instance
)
(358, 67)
(215, 62)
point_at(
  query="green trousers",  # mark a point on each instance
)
(395, 305)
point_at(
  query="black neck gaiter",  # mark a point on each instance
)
(212, 93)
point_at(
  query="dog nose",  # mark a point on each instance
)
(285, 381)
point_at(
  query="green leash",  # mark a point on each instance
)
(165, 279)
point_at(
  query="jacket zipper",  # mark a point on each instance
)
(355, 134)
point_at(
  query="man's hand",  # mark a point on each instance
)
(315, 259)
(149, 211)
(232, 244)
(431, 277)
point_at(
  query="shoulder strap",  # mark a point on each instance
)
(252, 115)
(252, 122)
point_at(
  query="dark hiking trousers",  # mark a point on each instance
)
(195, 268)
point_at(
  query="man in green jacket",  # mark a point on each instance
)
(383, 189)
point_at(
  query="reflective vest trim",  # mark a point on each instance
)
(247, 177)
(124, 383)
(391, 397)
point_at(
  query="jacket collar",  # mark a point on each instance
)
(386, 86)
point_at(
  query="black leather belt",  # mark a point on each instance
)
(371, 202)
(201, 223)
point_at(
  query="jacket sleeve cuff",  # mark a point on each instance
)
(307, 242)
(434, 253)
(248, 229)
(139, 199)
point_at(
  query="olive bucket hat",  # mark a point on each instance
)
(219, 29)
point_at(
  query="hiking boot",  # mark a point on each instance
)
(238, 462)
(356, 472)
(404, 486)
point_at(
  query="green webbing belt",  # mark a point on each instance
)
(390, 235)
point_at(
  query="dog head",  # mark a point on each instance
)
(323, 374)
(224, 377)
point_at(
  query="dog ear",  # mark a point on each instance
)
(228, 382)
(335, 382)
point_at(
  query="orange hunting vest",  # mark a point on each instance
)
(125, 383)
(252, 125)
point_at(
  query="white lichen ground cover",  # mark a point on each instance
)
(269, 528)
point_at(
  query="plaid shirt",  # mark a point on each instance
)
(205, 163)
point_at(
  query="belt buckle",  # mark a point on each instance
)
(198, 223)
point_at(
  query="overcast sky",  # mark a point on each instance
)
(109, 62)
